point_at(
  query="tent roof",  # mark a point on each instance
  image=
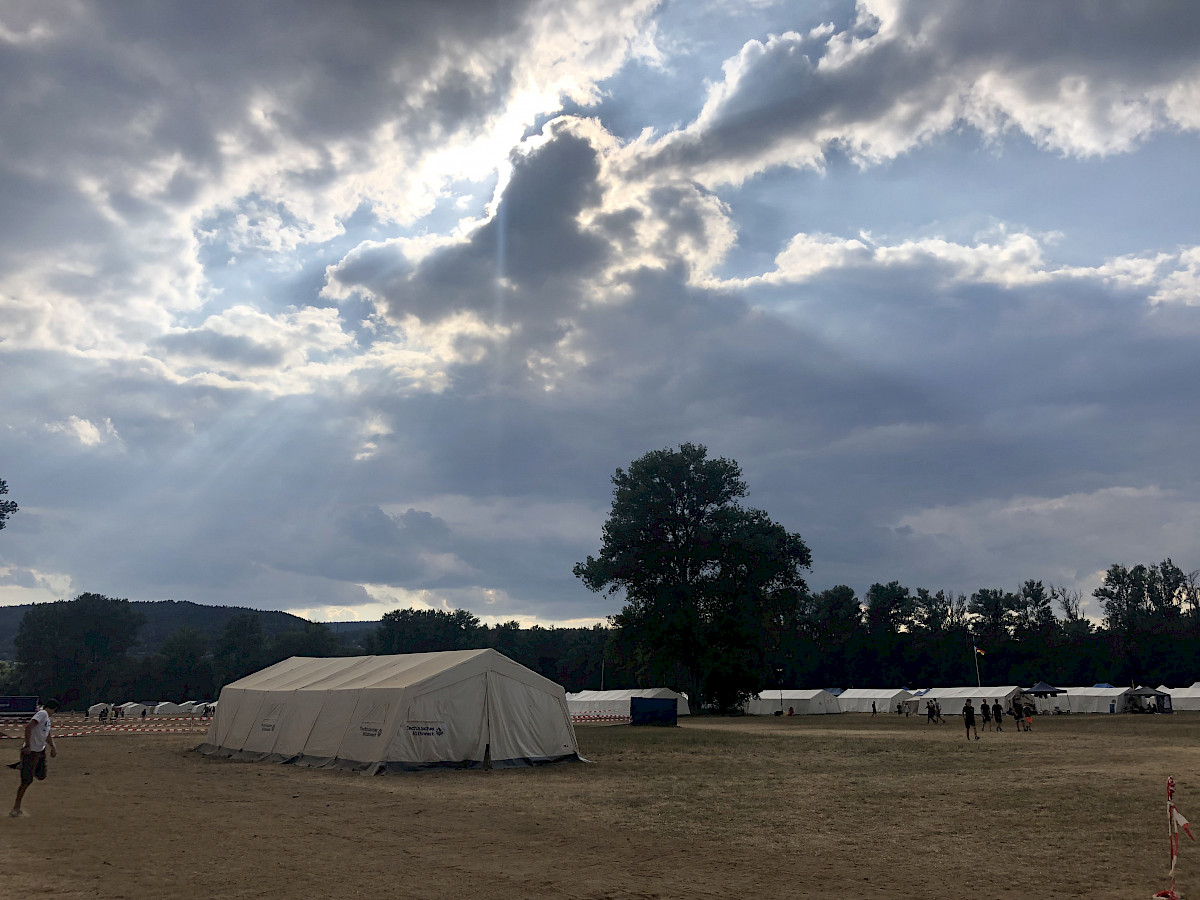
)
(351, 673)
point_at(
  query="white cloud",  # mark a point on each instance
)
(88, 434)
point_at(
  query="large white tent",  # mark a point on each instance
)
(1187, 698)
(803, 703)
(459, 708)
(166, 708)
(1098, 699)
(953, 699)
(885, 699)
(615, 704)
(96, 708)
(132, 710)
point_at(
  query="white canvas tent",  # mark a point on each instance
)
(132, 710)
(804, 703)
(96, 708)
(458, 708)
(616, 703)
(1097, 699)
(953, 699)
(1187, 698)
(885, 700)
(166, 708)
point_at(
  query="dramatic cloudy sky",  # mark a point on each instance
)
(338, 307)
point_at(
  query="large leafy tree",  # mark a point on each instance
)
(8, 508)
(427, 630)
(709, 585)
(75, 649)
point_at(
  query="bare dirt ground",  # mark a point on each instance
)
(830, 806)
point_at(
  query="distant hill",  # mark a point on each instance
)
(165, 617)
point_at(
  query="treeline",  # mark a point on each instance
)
(78, 650)
(896, 637)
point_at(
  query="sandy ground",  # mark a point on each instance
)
(762, 808)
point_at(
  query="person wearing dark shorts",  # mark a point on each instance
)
(998, 714)
(985, 713)
(33, 752)
(968, 714)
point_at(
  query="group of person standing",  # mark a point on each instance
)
(993, 715)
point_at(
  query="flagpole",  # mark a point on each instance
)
(975, 653)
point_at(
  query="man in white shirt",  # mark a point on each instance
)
(33, 753)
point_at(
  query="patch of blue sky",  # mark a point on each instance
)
(694, 40)
(961, 188)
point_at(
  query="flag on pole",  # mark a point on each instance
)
(980, 652)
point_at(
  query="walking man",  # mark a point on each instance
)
(33, 752)
(985, 712)
(997, 714)
(968, 714)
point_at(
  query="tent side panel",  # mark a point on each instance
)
(295, 726)
(528, 726)
(368, 733)
(443, 727)
(327, 732)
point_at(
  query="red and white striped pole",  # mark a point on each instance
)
(1175, 823)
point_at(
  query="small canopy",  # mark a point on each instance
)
(1042, 689)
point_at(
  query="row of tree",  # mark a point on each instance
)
(78, 650)
(714, 604)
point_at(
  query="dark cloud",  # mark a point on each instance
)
(1083, 78)
(937, 412)
(208, 346)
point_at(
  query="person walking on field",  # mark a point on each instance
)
(1018, 715)
(997, 714)
(985, 713)
(33, 752)
(873, 710)
(968, 714)
(929, 712)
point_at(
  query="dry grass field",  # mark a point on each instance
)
(833, 806)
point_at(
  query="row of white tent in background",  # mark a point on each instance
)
(615, 704)
(162, 708)
(1095, 699)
